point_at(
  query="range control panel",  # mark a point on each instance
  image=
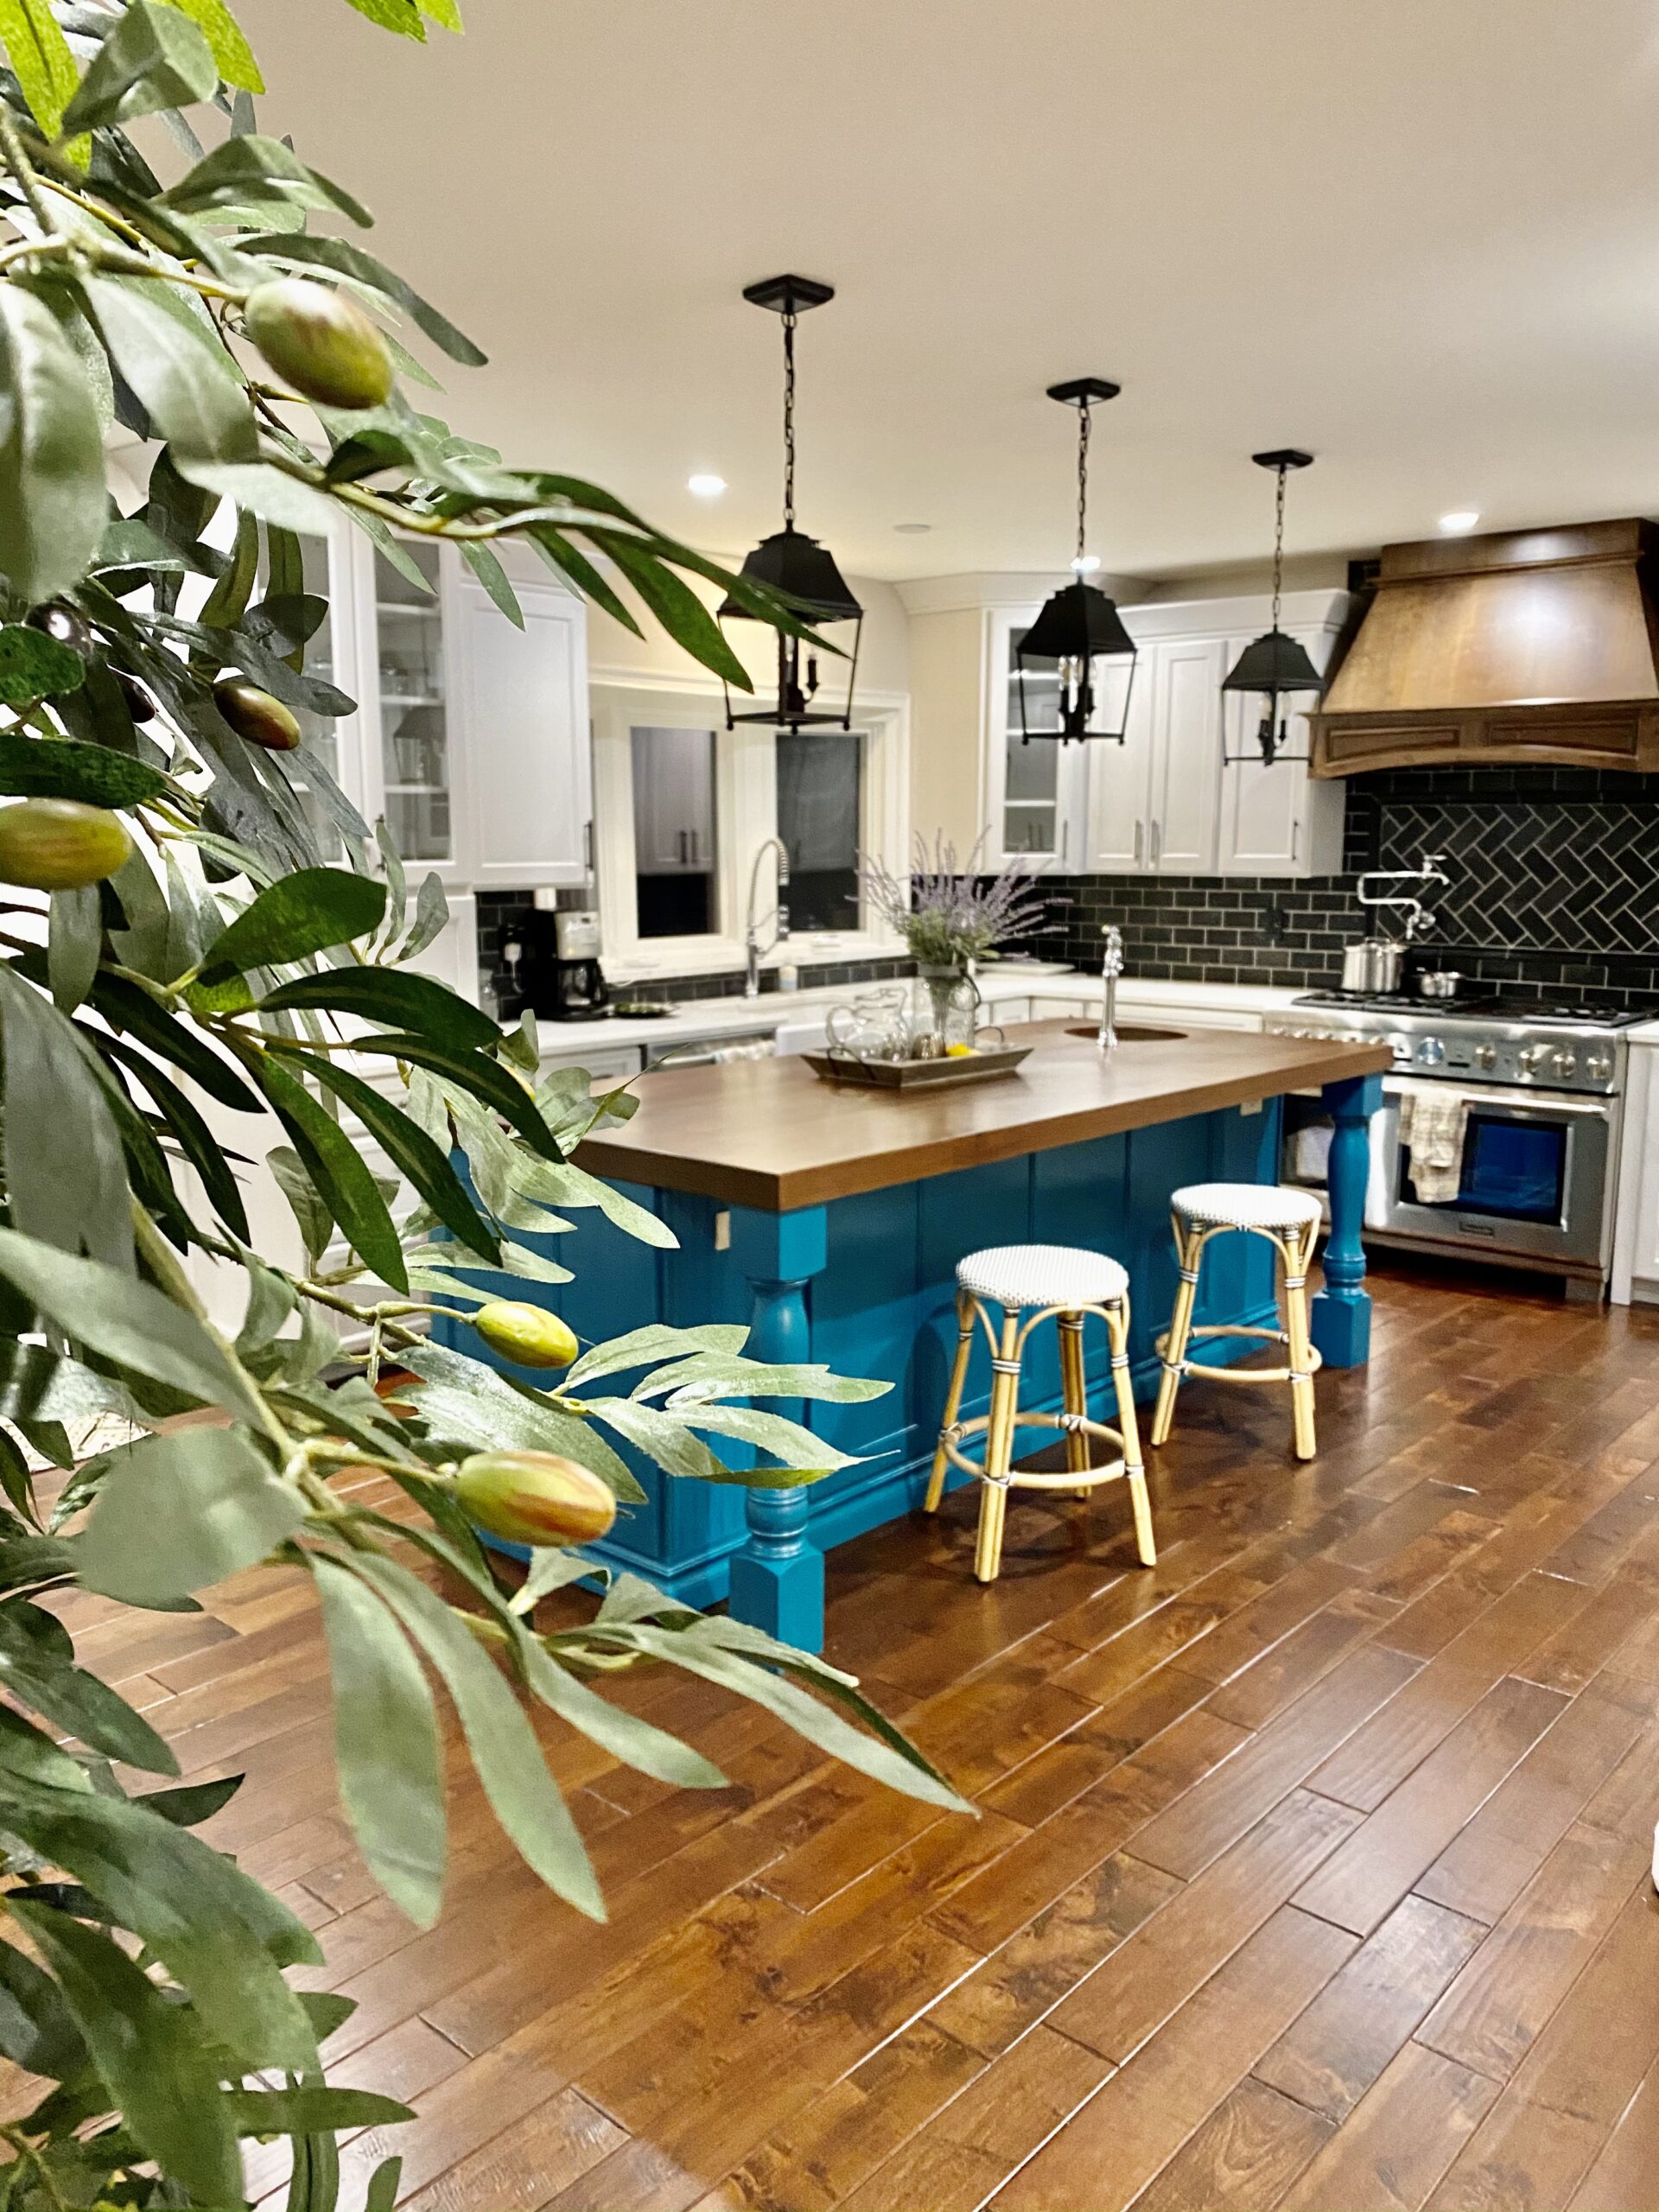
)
(1472, 1050)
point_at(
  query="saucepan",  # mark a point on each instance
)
(1440, 983)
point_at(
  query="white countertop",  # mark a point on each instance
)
(734, 1017)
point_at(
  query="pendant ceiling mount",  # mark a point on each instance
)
(1079, 634)
(791, 564)
(1274, 665)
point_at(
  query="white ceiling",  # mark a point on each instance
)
(1418, 237)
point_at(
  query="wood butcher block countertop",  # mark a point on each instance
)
(770, 1135)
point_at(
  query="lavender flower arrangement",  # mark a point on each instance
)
(947, 914)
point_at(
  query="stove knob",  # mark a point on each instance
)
(1530, 1057)
(1567, 1062)
(1600, 1066)
(1486, 1057)
(1431, 1052)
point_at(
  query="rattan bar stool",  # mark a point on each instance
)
(1064, 1284)
(1290, 1221)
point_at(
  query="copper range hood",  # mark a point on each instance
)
(1522, 645)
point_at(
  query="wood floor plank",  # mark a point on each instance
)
(1244, 2156)
(816, 2160)
(1549, 2123)
(1219, 1809)
(1130, 1996)
(1377, 1758)
(1330, 2057)
(1622, 2175)
(1134, 2125)
(980, 2139)
(1492, 2013)
(1021, 1983)
(1401, 2137)
(1486, 1865)
(1366, 1878)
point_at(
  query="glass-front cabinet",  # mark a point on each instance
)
(411, 685)
(1041, 799)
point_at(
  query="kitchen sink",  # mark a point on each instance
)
(1129, 1032)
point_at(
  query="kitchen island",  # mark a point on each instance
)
(832, 1218)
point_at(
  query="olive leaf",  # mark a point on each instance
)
(311, 911)
(386, 1743)
(233, 55)
(179, 1512)
(73, 944)
(53, 503)
(40, 56)
(64, 1177)
(34, 666)
(345, 259)
(173, 359)
(155, 58)
(244, 170)
(64, 768)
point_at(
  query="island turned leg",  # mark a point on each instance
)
(1342, 1311)
(777, 1578)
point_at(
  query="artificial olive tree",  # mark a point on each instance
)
(172, 938)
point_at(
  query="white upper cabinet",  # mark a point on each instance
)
(470, 735)
(1164, 802)
(523, 725)
(1280, 821)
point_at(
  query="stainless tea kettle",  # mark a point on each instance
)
(1372, 965)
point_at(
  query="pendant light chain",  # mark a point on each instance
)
(1279, 544)
(1084, 422)
(789, 318)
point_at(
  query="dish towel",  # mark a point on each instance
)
(1433, 1124)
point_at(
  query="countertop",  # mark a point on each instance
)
(770, 1135)
(732, 1017)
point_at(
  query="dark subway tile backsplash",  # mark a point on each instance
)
(1555, 885)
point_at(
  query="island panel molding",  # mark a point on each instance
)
(769, 1135)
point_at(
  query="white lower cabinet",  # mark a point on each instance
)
(1635, 1274)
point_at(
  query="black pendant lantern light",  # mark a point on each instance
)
(1078, 631)
(790, 561)
(1273, 664)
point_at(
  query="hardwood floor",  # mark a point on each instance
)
(1311, 1870)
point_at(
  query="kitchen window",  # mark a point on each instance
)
(682, 806)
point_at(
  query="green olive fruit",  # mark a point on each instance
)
(255, 717)
(64, 623)
(59, 845)
(534, 1497)
(319, 341)
(527, 1335)
(139, 703)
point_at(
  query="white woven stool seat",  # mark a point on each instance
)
(1245, 1205)
(1042, 1275)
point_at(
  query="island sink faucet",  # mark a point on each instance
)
(754, 951)
(1110, 969)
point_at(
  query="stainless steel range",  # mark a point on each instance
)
(1505, 1111)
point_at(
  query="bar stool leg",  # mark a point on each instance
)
(1117, 1330)
(1298, 1251)
(1074, 1393)
(1188, 1244)
(952, 1396)
(999, 1452)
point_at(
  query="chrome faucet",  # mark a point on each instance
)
(753, 949)
(1110, 969)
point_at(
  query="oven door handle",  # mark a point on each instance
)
(1592, 1109)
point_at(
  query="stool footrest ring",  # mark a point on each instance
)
(1160, 1346)
(1072, 1478)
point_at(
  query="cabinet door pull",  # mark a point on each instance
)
(1157, 841)
(1295, 842)
(1140, 839)
(587, 845)
(1065, 838)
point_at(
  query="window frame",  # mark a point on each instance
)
(745, 813)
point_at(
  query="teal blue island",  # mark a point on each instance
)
(831, 1219)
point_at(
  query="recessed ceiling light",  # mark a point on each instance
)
(1460, 521)
(912, 529)
(706, 487)
(1086, 563)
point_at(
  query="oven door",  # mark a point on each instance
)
(1535, 1171)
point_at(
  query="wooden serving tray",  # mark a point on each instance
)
(917, 1075)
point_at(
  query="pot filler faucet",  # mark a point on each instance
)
(755, 952)
(1110, 969)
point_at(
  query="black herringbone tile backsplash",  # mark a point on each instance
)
(1555, 883)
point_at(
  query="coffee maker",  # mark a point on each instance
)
(557, 973)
